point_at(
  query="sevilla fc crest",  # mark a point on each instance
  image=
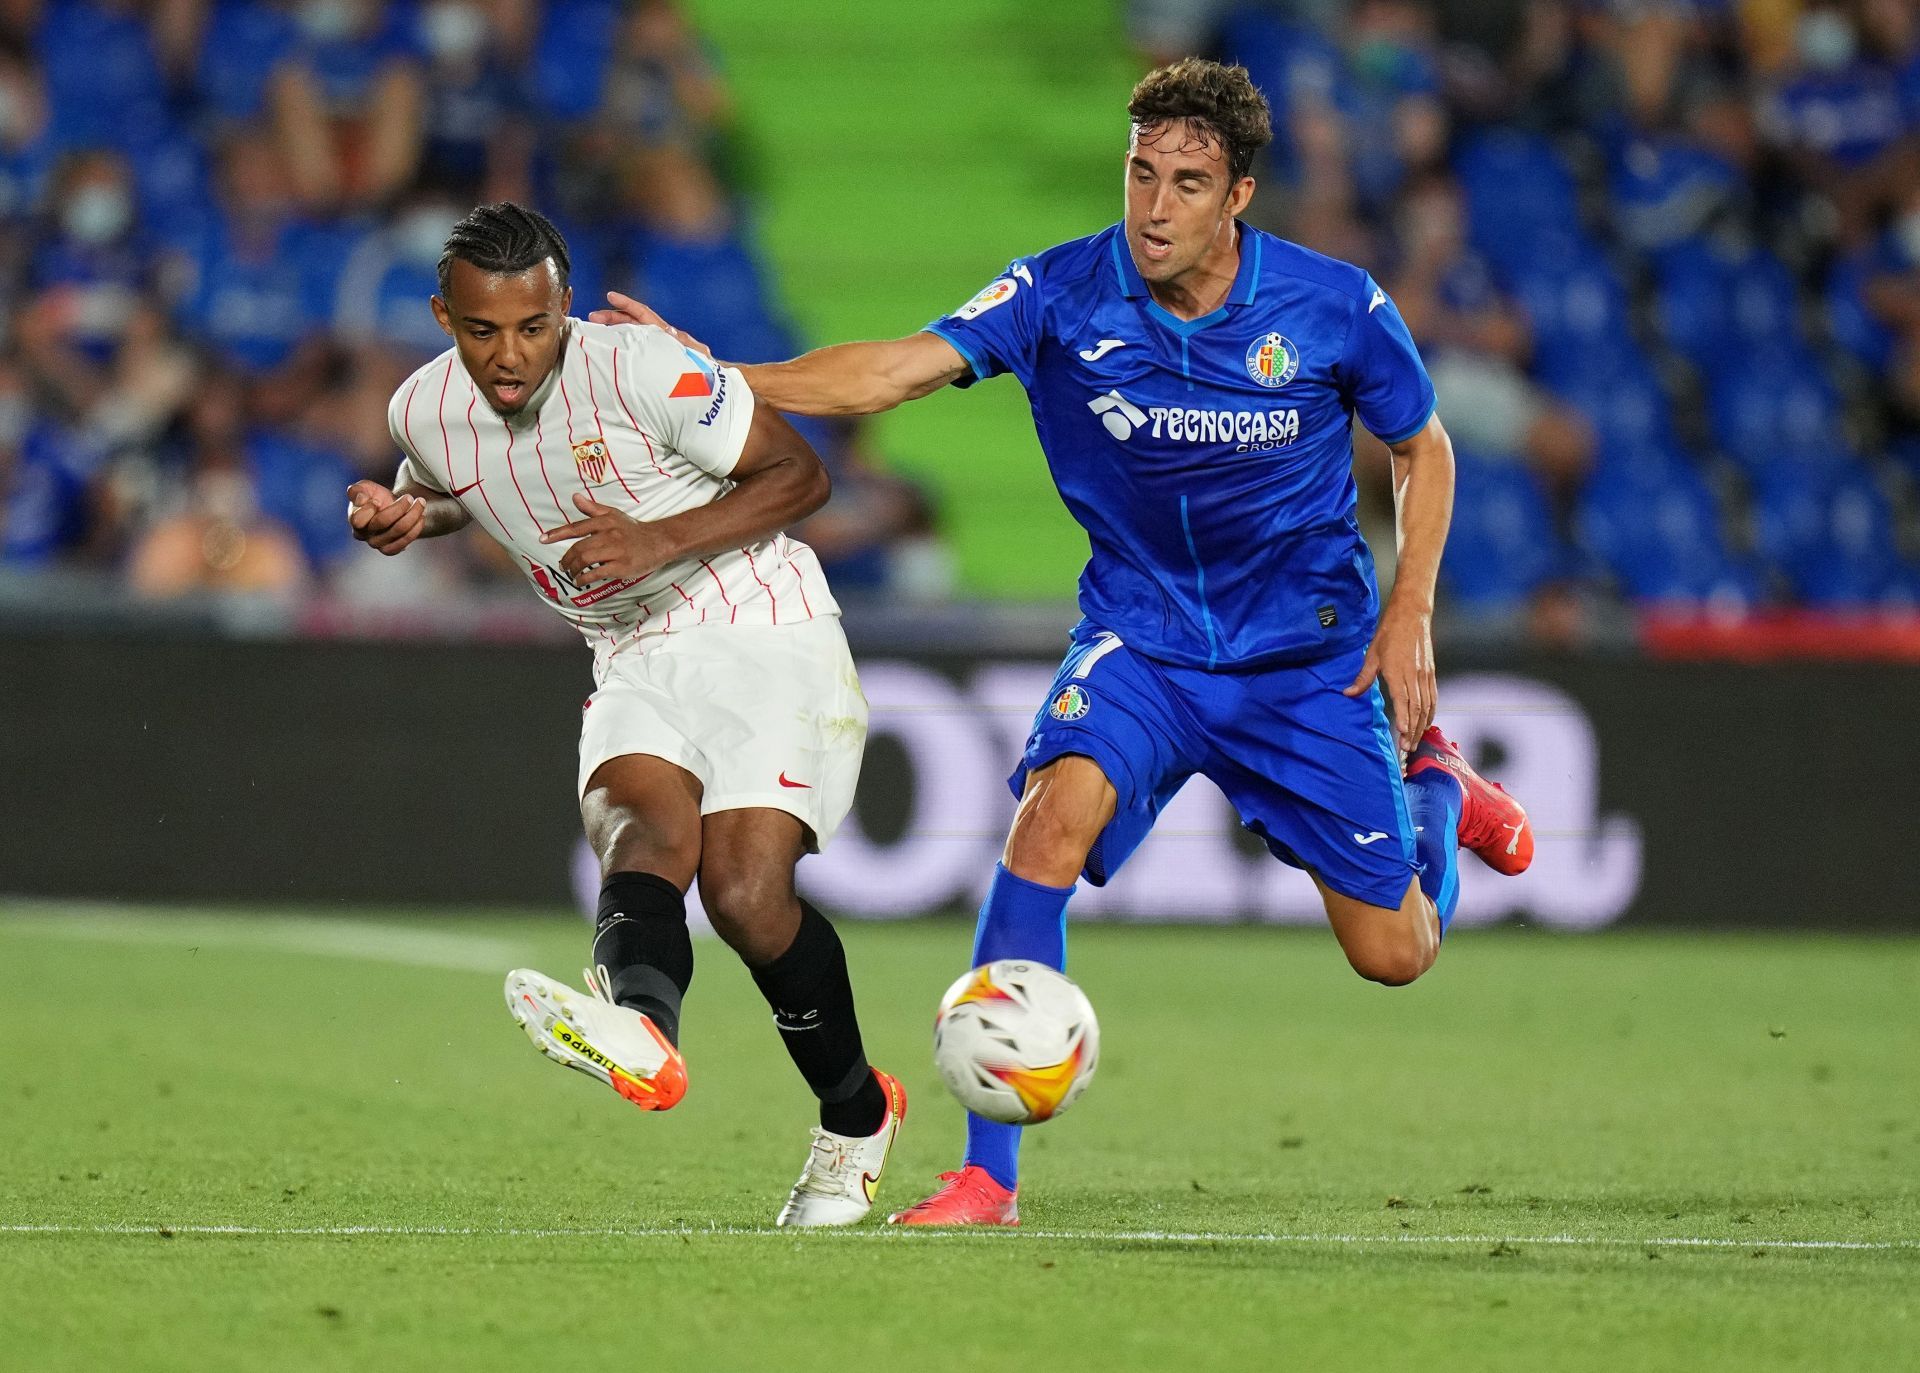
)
(591, 458)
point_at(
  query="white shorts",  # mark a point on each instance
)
(763, 715)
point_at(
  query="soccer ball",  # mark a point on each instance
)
(1016, 1042)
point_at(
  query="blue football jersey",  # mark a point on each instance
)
(1210, 460)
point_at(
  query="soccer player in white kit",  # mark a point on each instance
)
(643, 492)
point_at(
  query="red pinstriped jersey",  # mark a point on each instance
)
(637, 422)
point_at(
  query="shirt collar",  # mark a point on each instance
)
(1246, 281)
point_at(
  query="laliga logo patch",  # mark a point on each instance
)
(997, 293)
(1272, 360)
(591, 458)
(1072, 703)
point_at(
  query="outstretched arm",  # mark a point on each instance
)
(1401, 656)
(845, 379)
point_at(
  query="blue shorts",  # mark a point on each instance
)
(1314, 773)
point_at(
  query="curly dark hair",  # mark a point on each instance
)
(1220, 101)
(504, 238)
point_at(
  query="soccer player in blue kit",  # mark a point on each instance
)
(1194, 382)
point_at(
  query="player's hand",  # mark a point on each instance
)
(611, 547)
(382, 520)
(627, 310)
(1400, 658)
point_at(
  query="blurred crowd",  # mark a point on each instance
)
(1662, 258)
(219, 223)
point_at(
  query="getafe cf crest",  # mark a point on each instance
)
(1070, 704)
(1272, 360)
(591, 458)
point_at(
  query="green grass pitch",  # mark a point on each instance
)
(1279, 1166)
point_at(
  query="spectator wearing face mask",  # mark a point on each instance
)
(107, 370)
(91, 255)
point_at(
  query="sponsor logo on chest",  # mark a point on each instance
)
(1244, 431)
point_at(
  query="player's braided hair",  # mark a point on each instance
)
(505, 238)
(1219, 101)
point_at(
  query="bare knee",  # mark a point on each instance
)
(1391, 963)
(1391, 947)
(1065, 806)
(642, 814)
(752, 907)
(625, 841)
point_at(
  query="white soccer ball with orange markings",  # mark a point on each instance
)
(1016, 1041)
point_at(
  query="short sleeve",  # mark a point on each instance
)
(699, 408)
(1381, 373)
(412, 469)
(999, 329)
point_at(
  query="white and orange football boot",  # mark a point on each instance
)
(970, 1197)
(588, 1033)
(1493, 825)
(842, 1173)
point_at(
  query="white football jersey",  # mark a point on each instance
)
(639, 423)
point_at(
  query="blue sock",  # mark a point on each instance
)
(1019, 919)
(1433, 800)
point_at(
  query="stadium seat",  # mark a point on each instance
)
(1578, 307)
(1776, 410)
(1621, 397)
(1519, 191)
(1502, 546)
(569, 65)
(104, 85)
(1656, 528)
(299, 482)
(1713, 305)
(1851, 323)
(1832, 536)
(1290, 63)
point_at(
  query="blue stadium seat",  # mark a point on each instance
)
(103, 81)
(1777, 410)
(1290, 63)
(1832, 535)
(1519, 191)
(1621, 397)
(1578, 307)
(1714, 306)
(1502, 546)
(244, 42)
(1657, 529)
(1853, 325)
(569, 66)
(298, 482)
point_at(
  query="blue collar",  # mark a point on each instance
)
(1246, 281)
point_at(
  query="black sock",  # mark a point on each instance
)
(641, 940)
(812, 1000)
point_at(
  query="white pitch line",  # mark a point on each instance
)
(999, 1235)
(322, 936)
